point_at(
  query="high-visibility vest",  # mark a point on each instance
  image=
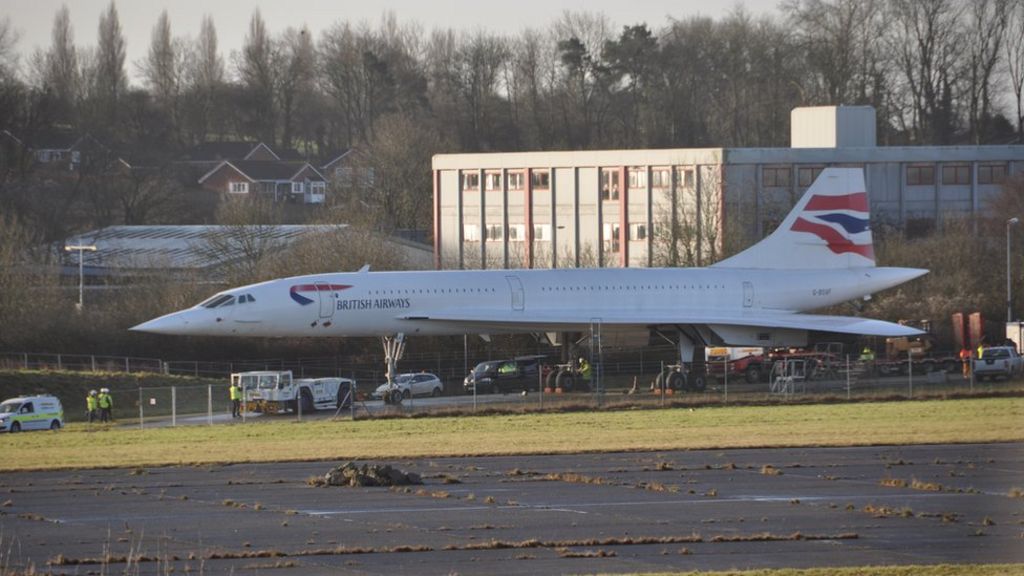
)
(981, 350)
(90, 402)
(106, 401)
(236, 393)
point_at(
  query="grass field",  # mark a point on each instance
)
(940, 570)
(918, 422)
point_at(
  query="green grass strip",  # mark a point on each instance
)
(937, 570)
(919, 422)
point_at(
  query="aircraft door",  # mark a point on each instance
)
(328, 300)
(518, 298)
(748, 294)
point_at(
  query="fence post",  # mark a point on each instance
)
(127, 365)
(195, 368)
(142, 426)
(93, 361)
(847, 376)
(209, 404)
(298, 404)
(60, 362)
(910, 374)
(725, 377)
(24, 357)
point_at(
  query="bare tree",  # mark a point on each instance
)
(60, 73)
(296, 77)
(1015, 62)
(162, 68)
(245, 245)
(925, 46)
(987, 21)
(111, 81)
(256, 70)
(204, 80)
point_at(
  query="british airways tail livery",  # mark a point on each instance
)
(819, 256)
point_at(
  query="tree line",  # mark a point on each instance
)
(937, 71)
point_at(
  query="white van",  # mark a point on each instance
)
(31, 413)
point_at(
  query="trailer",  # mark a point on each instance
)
(276, 391)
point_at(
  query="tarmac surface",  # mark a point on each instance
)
(608, 513)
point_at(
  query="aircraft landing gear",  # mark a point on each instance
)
(394, 348)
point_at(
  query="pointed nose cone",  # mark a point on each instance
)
(175, 323)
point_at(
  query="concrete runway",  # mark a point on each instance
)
(608, 513)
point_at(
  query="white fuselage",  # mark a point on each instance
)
(387, 303)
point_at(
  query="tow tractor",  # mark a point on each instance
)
(276, 391)
(748, 362)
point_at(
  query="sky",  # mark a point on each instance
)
(33, 19)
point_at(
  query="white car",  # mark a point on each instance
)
(414, 384)
(31, 413)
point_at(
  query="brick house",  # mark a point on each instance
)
(297, 182)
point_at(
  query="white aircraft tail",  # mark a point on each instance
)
(828, 228)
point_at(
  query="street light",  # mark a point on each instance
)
(1009, 300)
(81, 259)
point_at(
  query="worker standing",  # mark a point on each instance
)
(236, 400)
(106, 404)
(965, 361)
(585, 370)
(91, 405)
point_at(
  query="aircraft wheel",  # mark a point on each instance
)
(676, 380)
(752, 374)
(565, 380)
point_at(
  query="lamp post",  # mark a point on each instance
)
(81, 260)
(1009, 286)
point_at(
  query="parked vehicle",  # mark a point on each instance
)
(270, 391)
(998, 361)
(413, 384)
(31, 413)
(511, 375)
(746, 362)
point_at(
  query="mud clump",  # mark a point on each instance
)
(352, 474)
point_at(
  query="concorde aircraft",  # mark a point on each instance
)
(819, 256)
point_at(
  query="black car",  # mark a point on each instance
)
(513, 375)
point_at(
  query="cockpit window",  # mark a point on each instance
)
(217, 300)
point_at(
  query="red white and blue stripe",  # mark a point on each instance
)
(841, 221)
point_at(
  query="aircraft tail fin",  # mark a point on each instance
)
(828, 228)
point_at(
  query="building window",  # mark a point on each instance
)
(609, 184)
(807, 175)
(540, 179)
(318, 187)
(542, 232)
(238, 187)
(611, 237)
(638, 232)
(991, 173)
(775, 176)
(470, 233)
(515, 180)
(685, 177)
(516, 232)
(471, 181)
(495, 233)
(660, 178)
(637, 178)
(297, 188)
(956, 175)
(492, 181)
(920, 175)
